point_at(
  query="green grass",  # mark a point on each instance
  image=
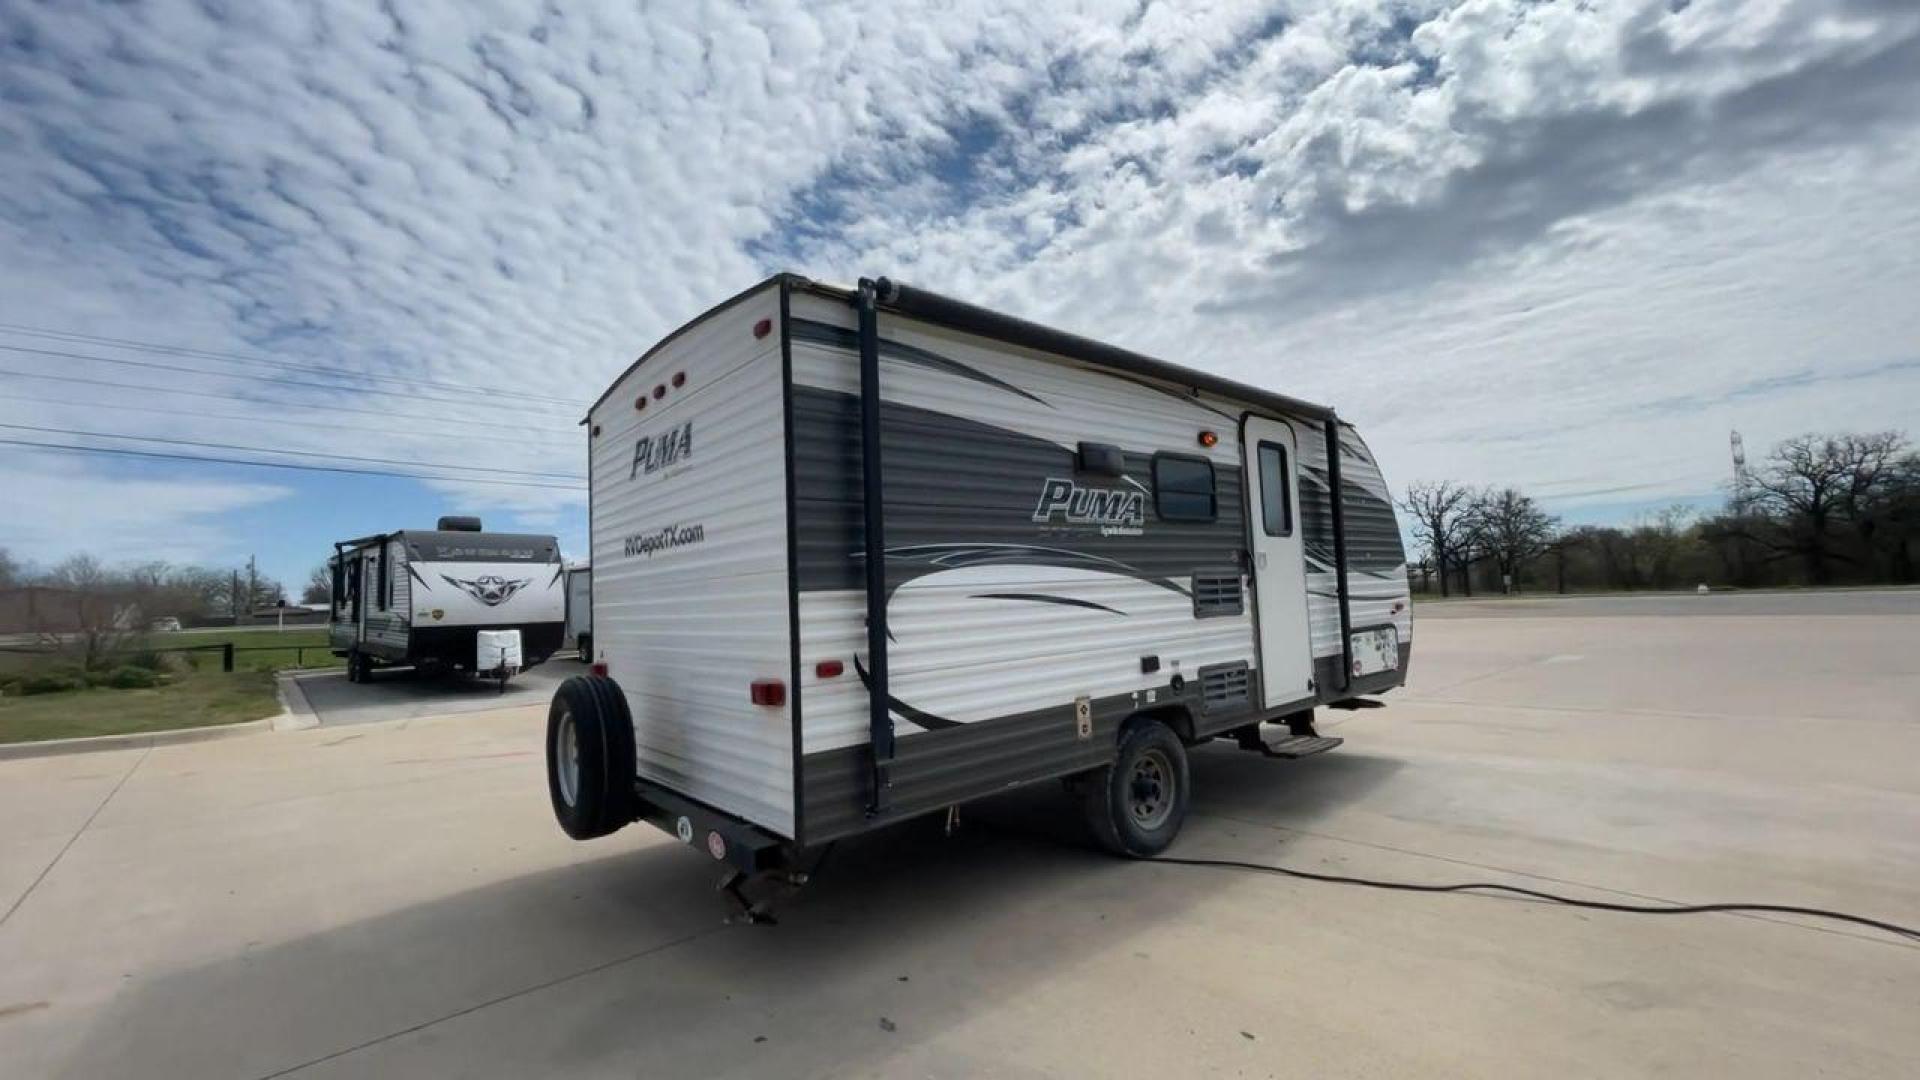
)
(196, 699)
(278, 646)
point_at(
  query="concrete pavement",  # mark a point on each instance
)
(403, 694)
(393, 898)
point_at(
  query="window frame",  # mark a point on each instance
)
(1213, 489)
(1286, 486)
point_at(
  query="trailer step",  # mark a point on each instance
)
(1276, 742)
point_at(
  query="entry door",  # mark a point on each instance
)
(1279, 561)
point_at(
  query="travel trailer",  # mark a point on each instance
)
(579, 634)
(422, 597)
(865, 554)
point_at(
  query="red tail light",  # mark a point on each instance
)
(769, 692)
(763, 328)
(599, 669)
(829, 669)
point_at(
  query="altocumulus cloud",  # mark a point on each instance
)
(1562, 245)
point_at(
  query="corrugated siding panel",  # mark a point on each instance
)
(687, 628)
(402, 582)
(993, 614)
(1376, 560)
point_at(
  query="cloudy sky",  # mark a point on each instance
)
(1566, 246)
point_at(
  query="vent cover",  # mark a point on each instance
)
(1217, 593)
(1223, 686)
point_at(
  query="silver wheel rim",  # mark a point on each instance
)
(566, 759)
(1150, 790)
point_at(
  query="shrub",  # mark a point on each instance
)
(129, 677)
(51, 681)
(146, 658)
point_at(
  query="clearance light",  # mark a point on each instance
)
(1208, 438)
(660, 391)
(763, 328)
(829, 669)
(640, 402)
(769, 692)
(599, 669)
(679, 379)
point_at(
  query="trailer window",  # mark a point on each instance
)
(1276, 494)
(1183, 488)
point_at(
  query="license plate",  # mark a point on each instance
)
(1375, 651)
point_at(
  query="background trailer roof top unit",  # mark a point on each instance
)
(863, 554)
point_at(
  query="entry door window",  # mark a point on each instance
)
(1276, 495)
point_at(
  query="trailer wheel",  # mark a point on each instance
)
(359, 667)
(590, 757)
(1136, 805)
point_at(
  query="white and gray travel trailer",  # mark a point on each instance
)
(867, 554)
(421, 596)
(580, 610)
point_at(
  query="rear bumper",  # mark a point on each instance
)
(722, 837)
(456, 645)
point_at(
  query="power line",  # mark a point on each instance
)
(290, 453)
(149, 364)
(210, 459)
(259, 401)
(324, 425)
(214, 354)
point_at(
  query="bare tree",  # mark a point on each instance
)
(1812, 483)
(101, 613)
(1439, 513)
(319, 588)
(1511, 529)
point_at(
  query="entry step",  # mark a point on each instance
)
(1277, 743)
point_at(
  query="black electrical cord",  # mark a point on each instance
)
(1483, 887)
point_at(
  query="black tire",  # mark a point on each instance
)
(600, 797)
(1136, 805)
(356, 666)
(586, 648)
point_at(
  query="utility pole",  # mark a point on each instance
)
(253, 586)
(233, 595)
(1742, 480)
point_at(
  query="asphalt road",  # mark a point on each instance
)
(394, 899)
(402, 694)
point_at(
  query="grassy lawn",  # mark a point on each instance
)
(196, 699)
(254, 650)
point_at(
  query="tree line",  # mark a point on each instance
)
(1818, 510)
(149, 589)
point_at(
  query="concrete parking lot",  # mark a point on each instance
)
(393, 899)
(403, 694)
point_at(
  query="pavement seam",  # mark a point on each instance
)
(1575, 882)
(500, 1000)
(77, 833)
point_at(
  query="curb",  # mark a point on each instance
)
(296, 712)
(137, 741)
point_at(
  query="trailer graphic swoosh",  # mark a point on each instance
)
(819, 333)
(1042, 598)
(906, 711)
